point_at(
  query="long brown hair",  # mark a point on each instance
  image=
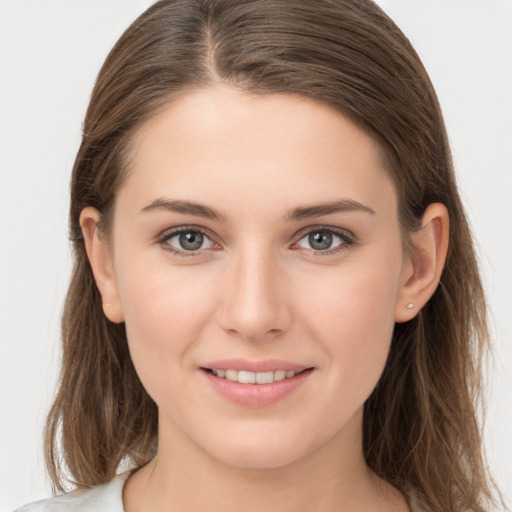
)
(421, 428)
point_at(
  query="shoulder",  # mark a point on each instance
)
(104, 498)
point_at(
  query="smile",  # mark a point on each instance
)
(256, 389)
(247, 377)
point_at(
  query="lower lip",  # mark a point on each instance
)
(256, 395)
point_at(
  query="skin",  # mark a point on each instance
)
(257, 289)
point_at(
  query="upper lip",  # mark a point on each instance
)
(265, 365)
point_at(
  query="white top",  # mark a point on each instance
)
(106, 498)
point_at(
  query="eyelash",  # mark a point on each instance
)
(348, 239)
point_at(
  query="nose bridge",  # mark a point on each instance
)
(253, 302)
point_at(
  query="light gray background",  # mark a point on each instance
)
(50, 53)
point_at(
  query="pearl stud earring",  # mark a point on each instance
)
(410, 305)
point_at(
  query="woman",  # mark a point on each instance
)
(275, 300)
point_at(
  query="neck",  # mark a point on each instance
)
(333, 477)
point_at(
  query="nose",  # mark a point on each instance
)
(254, 302)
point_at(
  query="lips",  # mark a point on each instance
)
(266, 365)
(255, 384)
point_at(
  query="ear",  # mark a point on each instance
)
(101, 263)
(424, 263)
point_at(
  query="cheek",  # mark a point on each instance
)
(165, 313)
(353, 320)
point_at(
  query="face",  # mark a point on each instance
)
(257, 238)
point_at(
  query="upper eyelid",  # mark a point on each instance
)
(170, 232)
(338, 231)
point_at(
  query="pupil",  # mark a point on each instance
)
(191, 241)
(320, 240)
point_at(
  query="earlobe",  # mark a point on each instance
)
(425, 263)
(101, 264)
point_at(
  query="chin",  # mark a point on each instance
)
(260, 459)
(263, 450)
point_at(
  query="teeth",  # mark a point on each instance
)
(264, 377)
(232, 375)
(245, 377)
(279, 375)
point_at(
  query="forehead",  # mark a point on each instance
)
(219, 141)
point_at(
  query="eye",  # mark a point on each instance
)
(186, 240)
(324, 240)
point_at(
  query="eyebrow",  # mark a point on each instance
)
(185, 207)
(300, 213)
(342, 205)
